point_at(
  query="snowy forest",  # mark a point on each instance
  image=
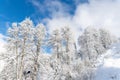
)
(32, 53)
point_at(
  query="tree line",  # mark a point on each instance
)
(25, 57)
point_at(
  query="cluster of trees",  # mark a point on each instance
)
(25, 58)
(94, 42)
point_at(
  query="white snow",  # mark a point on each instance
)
(110, 62)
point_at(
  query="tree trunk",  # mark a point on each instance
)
(21, 65)
(36, 66)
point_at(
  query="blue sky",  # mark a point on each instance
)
(77, 14)
(37, 10)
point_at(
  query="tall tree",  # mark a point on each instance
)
(19, 46)
(68, 42)
(25, 35)
(55, 42)
(90, 44)
(39, 37)
(13, 44)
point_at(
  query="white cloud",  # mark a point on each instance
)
(37, 4)
(96, 13)
(61, 21)
(99, 13)
(49, 6)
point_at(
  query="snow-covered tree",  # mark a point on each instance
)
(93, 42)
(69, 44)
(24, 42)
(39, 36)
(106, 38)
(11, 56)
(90, 44)
(90, 49)
(67, 36)
(55, 42)
(26, 36)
